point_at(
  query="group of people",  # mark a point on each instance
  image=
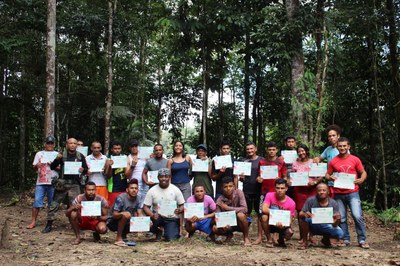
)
(127, 192)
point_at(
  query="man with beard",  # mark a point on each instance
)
(155, 163)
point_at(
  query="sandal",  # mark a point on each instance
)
(120, 244)
(269, 245)
(364, 245)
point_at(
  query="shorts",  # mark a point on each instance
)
(253, 203)
(285, 232)
(112, 224)
(186, 189)
(204, 225)
(40, 192)
(87, 223)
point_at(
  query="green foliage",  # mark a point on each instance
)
(391, 215)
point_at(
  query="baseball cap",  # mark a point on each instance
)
(164, 172)
(49, 139)
(201, 146)
(133, 142)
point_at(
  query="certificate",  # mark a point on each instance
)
(145, 152)
(83, 150)
(318, 169)
(225, 218)
(269, 171)
(344, 180)
(279, 216)
(167, 208)
(299, 178)
(152, 176)
(289, 156)
(193, 209)
(91, 208)
(48, 156)
(242, 167)
(72, 168)
(223, 160)
(119, 161)
(96, 165)
(322, 215)
(139, 224)
(200, 165)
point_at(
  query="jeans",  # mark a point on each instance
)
(40, 192)
(351, 200)
(171, 227)
(324, 229)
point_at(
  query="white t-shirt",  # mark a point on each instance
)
(45, 174)
(138, 171)
(157, 194)
(98, 177)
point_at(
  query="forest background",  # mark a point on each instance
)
(245, 70)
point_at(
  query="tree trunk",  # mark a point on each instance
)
(158, 116)
(394, 62)
(246, 90)
(297, 72)
(22, 140)
(204, 111)
(107, 118)
(49, 119)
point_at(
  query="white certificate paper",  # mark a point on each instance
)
(225, 218)
(289, 156)
(279, 216)
(139, 224)
(83, 149)
(91, 208)
(152, 176)
(318, 169)
(242, 167)
(167, 208)
(145, 152)
(344, 180)
(322, 215)
(200, 165)
(223, 160)
(72, 168)
(193, 209)
(299, 179)
(119, 161)
(48, 156)
(269, 171)
(96, 165)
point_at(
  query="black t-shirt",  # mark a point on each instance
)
(218, 182)
(250, 184)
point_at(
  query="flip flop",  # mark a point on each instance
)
(269, 244)
(120, 244)
(364, 245)
(131, 243)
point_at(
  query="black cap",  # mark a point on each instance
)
(201, 146)
(133, 142)
(50, 139)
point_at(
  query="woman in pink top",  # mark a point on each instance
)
(302, 164)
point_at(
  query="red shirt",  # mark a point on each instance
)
(349, 165)
(268, 185)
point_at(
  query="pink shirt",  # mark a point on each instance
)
(273, 203)
(209, 204)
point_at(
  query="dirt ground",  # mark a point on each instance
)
(31, 247)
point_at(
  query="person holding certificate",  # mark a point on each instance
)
(218, 174)
(233, 199)
(117, 182)
(72, 165)
(179, 166)
(154, 164)
(126, 205)
(41, 163)
(311, 209)
(135, 169)
(347, 196)
(203, 177)
(203, 223)
(163, 204)
(251, 188)
(96, 162)
(278, 201)
(268, 185)
(288, 155)
(89, 216)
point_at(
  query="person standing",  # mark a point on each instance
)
(44, 179)
(97, 177)
(203, 178)
(155, 163)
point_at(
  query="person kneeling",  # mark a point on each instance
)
(328, 230)
(125, 206)
(203, 224)
(277, 201)
(233, 199)
(94, 223)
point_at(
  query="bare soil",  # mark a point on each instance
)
(31, 247)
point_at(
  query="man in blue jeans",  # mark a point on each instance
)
(321, 200)
(166, 203)
(343, 167)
